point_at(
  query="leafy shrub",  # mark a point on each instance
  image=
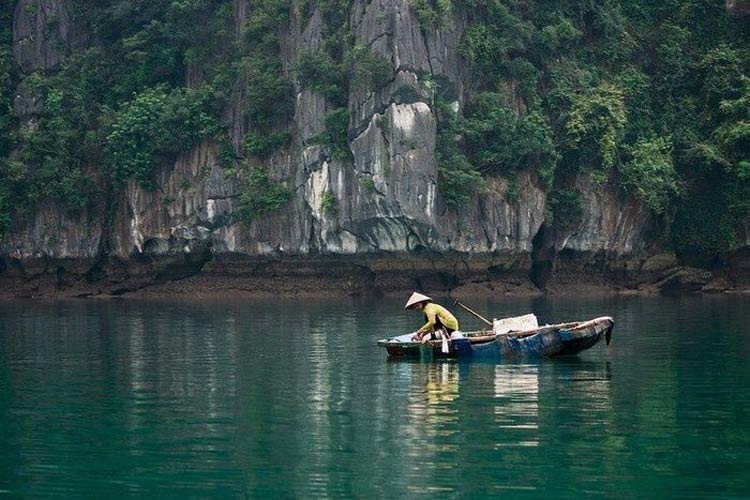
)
(595, 124)
(433, 12)
(337, 133)
(328, 204)
(59, 153)
(731, 138)
(706, 220)
(226, 157)
(458, 180)
(263, 145)
(564, 209)
(559, 35)
(723, 77)
(501, 34)
(156, 125)
(315, 69)
(357, 69)
(13, 191)
(650, 174)
(500, 140)
(269, 95)
(260, 195)
(8, 76)
(367, 71)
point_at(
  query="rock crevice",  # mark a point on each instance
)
(388, 227)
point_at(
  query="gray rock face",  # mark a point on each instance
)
(193, 206)
(388, 228)
(738, 8)
(41, 31)
(54, 233)
(610, 223)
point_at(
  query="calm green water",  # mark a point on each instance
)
(293, 399)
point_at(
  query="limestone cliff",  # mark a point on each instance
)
(739, 8)
(391, 228)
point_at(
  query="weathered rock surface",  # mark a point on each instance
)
(41, 32)
(739, 8)
(390, 229)
(610, 223)
(684, 279)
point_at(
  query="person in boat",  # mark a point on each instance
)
(439, 320)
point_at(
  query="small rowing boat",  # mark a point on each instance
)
(564, 339)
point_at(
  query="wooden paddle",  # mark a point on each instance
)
(472, 312)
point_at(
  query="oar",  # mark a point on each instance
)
(472, 312)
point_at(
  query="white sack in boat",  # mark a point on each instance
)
(515, 324)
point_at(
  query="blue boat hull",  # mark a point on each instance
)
(555, 340)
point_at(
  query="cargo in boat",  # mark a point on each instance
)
(562, 339)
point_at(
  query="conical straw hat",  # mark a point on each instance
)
(415, 299)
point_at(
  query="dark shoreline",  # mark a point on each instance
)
(489, 275)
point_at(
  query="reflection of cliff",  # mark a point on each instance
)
(126, 395)
(176, 379)
(517, 402)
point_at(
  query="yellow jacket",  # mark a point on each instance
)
(434, 312)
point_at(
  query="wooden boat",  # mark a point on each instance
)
(563, 339)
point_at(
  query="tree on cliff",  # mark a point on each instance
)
(648, 96)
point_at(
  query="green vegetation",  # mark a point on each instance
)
(650, 173)
(337, 133)
(329, 205)
(457, 177)
(153, 83)
(268, 92)
(11, 173)
(8, 76)
(157, 124)
(594, 125)
(260, 194)
(358, 69)
(499, 140)
(11, 189)
(262, 145)
(564, 209)
(315, 69)
(114, 111)
(433, 12)
(650, 97)
(367, 71)
(653, 97)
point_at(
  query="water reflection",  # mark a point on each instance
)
(294, 400)
(517, 401)
(432, 409)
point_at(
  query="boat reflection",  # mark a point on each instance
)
(515, 413)
(435, 389)
(516, 391)
(511, 396)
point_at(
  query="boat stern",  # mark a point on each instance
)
(607, 323)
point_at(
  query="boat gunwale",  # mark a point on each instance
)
(482, 336)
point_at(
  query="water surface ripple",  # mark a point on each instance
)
(290, 399)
